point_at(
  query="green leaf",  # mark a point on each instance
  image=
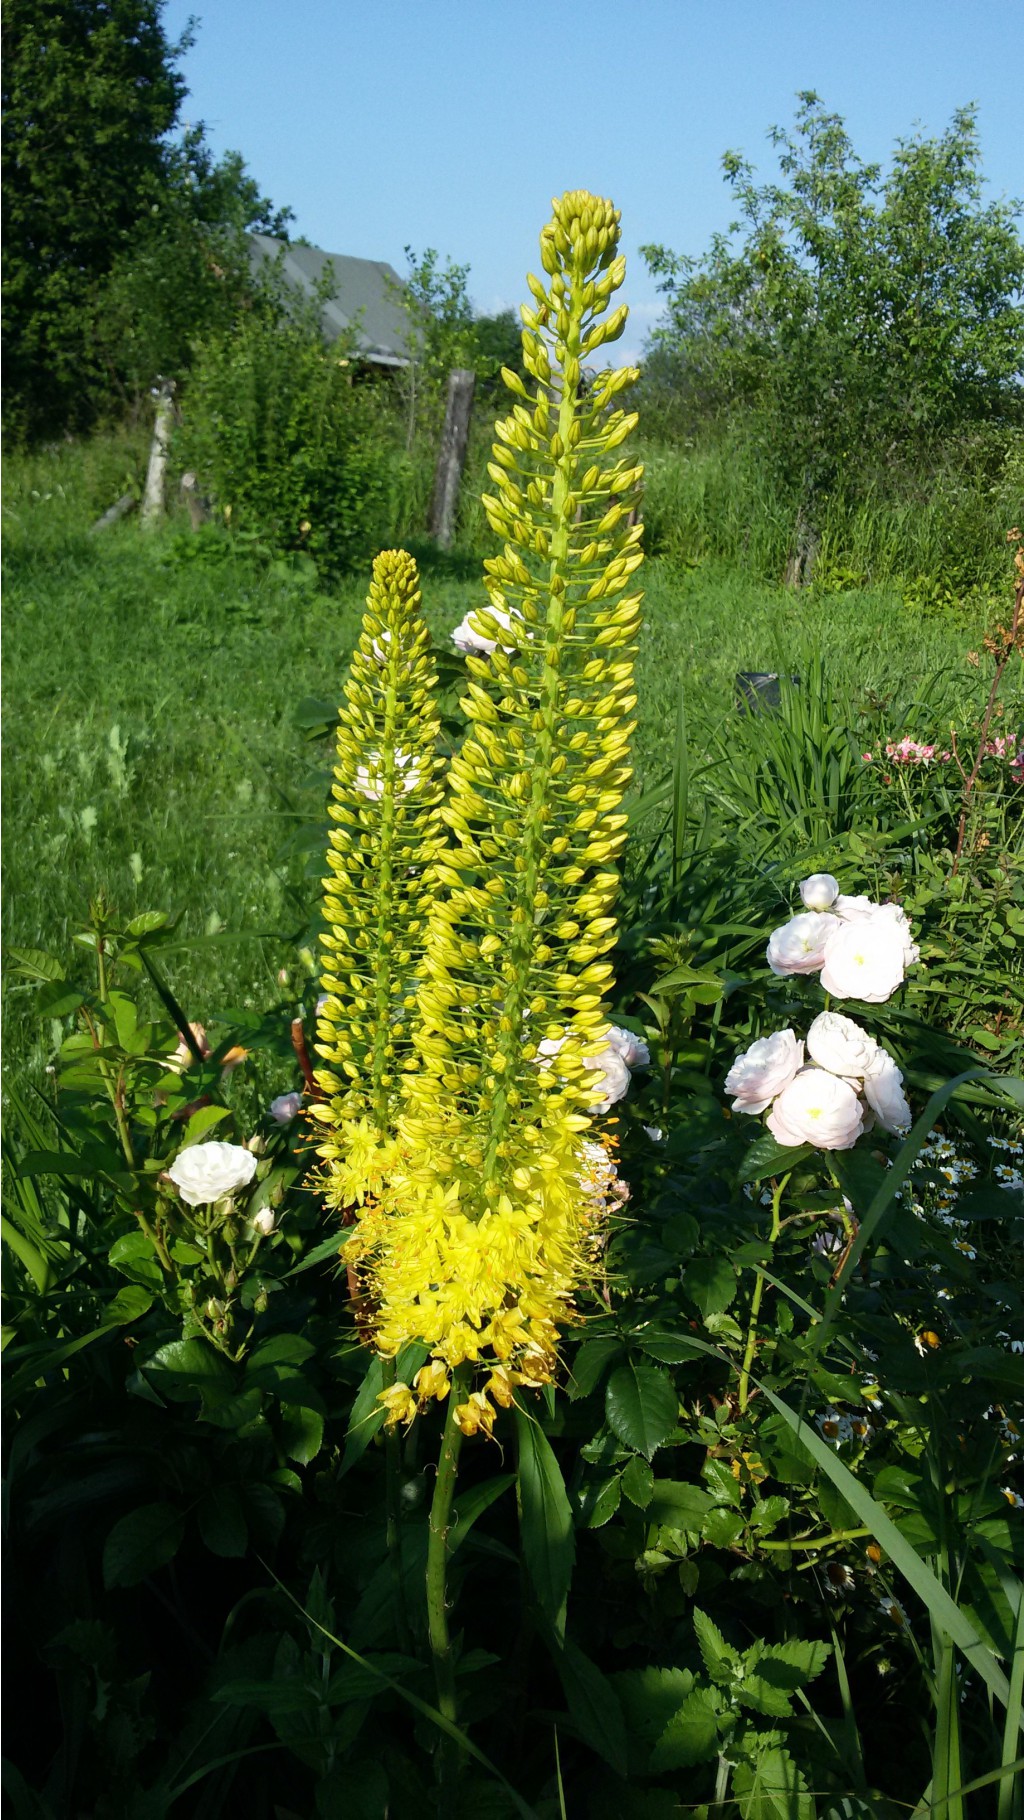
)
(638, 1482)
(35, 964)
(650, 1697)
(131, 1302)
(222, 1523)
(600, 1502)
(768, 1157)
(667, 1348)
(301, 1432)
(141, 1542)
(204, 1120)
(691, 1735)
(772, 1788)
(774, 1673)
(546, 1521)
(185, 1368)
(593, 1705)
(641, 1407)
(711, 1283)
(147, 921)
(134, 1257)
(590, 1364)
(677, 1505)
(720, 1659)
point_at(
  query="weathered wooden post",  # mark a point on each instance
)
(153, 497)
(452, 457)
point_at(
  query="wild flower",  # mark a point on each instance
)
(285, 1108)
(204, 1173)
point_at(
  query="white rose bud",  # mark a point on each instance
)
(819, 892)
(799, 945)
(883, 1090)
(817, 1108)
(205, 1172)
(763, 1070)
(864, 961)
(835, 1042)
(265, 1221)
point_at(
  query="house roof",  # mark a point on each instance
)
(364, 301)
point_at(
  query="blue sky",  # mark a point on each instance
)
(451, 123)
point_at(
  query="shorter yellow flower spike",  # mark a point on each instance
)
(400, 1404)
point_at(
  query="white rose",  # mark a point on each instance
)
(285, 1108)
(854, 909)
(467, 638)
(864, 961)
(264, 1222)
(835, 1042)
(894, 916)
(883, 1090)
(819, 892)
(799, 945)
(633, 1049)
(817, 1108)
(613, 1079)
(204, 1172)
(763, 1070)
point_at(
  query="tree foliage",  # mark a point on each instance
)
(854, 318)
(119, 239)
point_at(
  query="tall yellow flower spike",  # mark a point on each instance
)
(383, 846)
(480, 1234)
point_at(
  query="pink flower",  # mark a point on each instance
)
(817, 1108)
(763, 1070)
(866, 756)
(799, 945)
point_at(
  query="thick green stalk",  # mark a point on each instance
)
(393, 1479)
(437, 1561)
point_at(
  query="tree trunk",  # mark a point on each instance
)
(452, 457)
(803, 552)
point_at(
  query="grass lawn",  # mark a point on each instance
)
(153, 749)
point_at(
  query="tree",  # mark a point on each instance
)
(858, 321)
(118, 238)
(90, 89)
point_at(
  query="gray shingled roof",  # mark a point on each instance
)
(363, 300)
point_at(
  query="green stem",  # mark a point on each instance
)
(755, 1301)
(836, 1535)
(393, 1479)
(437, 1562)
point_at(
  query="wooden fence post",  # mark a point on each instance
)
(153, 497)
(452, 457)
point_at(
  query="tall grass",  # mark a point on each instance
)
(942, 530)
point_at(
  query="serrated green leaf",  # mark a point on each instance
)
(691, 1735)
(720, 1659)
(141, 1542)
(711, 1283)
(772, 1788)
(638, 1482)
(589, 1365)
(649, 1698)
(677, 1505)
(301, 1432)
(641, 1407)
(767, 1156)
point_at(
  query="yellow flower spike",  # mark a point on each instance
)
(384, 840)
(478, 1215)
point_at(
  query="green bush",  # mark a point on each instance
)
(288, 441)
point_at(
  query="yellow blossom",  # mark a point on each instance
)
(400, 1405)
(476, 1415)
